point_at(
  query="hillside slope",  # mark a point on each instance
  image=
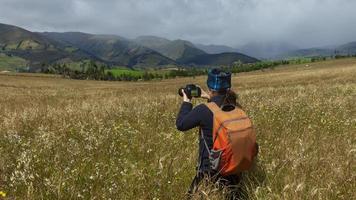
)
(178, 50)
(113, 49)
(223, 59)
(36, 48)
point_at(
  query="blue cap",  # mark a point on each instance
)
(218, 80)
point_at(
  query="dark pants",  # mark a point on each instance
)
(228, 182)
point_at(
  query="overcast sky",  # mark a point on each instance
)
(305, 23)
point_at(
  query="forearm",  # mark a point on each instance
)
(184, 122)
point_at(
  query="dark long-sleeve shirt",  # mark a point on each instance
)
(201, 117)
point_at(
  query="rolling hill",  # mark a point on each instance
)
(219, 59)
(186, 53)
(178, 50)
(35, 48)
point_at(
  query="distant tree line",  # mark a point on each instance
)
(238, 66)
(89, 70)
(345, 56)
(187, 72)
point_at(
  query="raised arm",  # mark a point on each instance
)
(189, 118)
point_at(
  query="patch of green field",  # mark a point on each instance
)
(70, 49)
(11, 63)
(11, 46)
(122, 70)
(29, 44)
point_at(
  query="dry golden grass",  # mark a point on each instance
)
(71, 139)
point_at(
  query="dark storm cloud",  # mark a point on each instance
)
(233, 22)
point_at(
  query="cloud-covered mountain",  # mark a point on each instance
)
(215, 49)
(267, 50)
(344, 49)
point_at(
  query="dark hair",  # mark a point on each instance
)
(231, 98)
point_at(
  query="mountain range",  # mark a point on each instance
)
(111, 49)
(42, 48)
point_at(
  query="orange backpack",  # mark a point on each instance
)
(234, 141)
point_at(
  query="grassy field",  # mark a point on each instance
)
(71, 139)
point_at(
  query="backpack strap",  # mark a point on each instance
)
(213, 107)
(206, 144)
(214, 156)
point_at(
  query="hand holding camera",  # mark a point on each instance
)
(191, 91)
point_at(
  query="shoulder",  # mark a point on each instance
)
(202, 108)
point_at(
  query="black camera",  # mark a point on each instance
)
(190, 90)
